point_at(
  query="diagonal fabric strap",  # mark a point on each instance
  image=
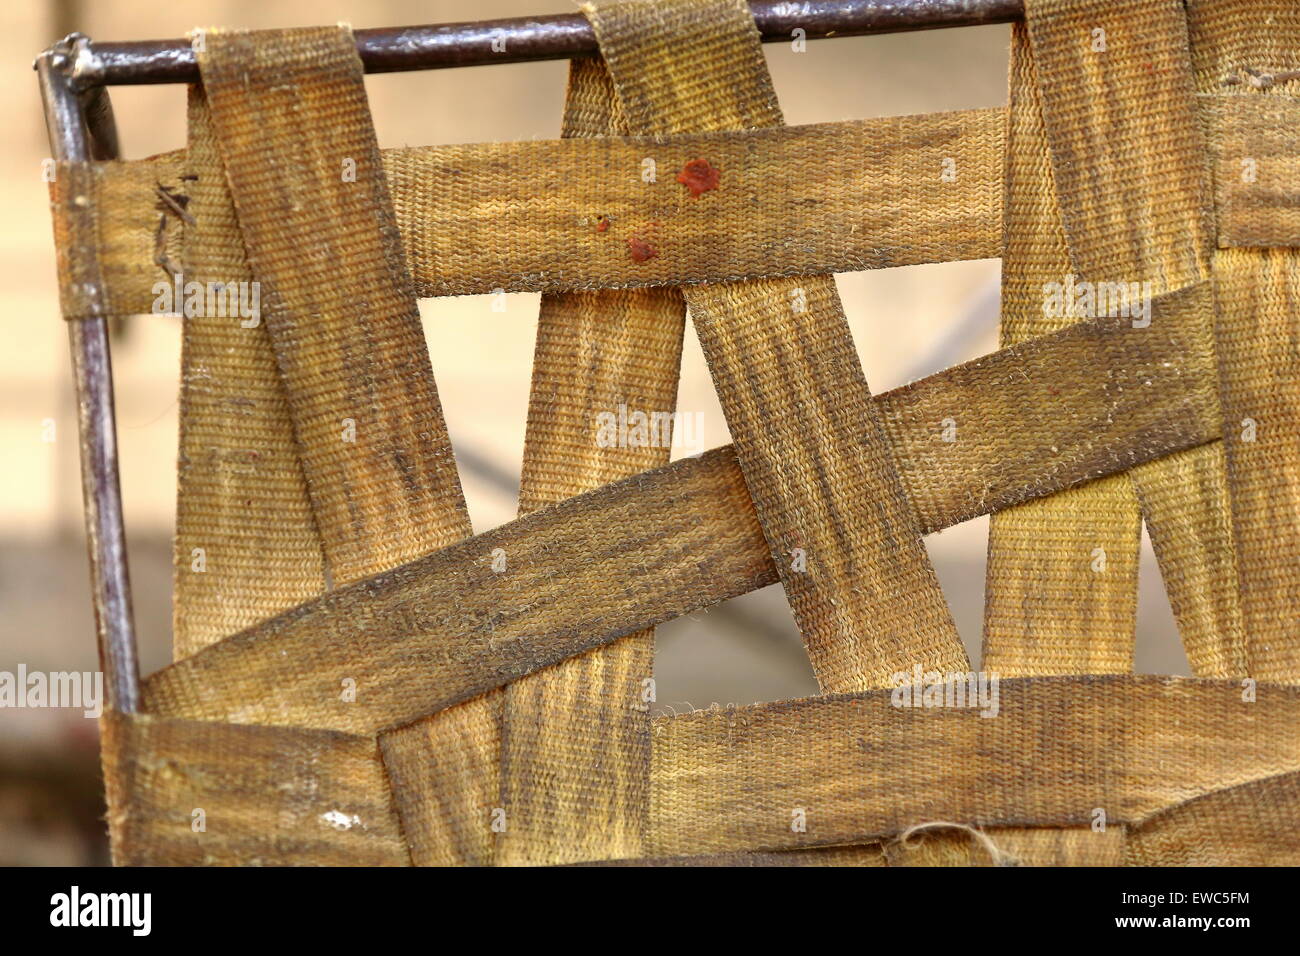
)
(246, 545)
(322, 240)
(843, 535)
(444, 628)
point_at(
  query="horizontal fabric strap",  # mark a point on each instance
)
(855, 195)
(560, 215)
(183, 793)
(1091, 400)
(1131, 746)
(1058, 750)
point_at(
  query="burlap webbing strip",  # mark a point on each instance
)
(447, 627)
(322, 240)
(441, 629)
(1257, 337)
(856, 203)
(796, 201)
(575, 751)
(1061, 588)
(1132, 180)
(444, 773)
(1252, 824)
(862, 768)
(816, 460)
(1134, 204)
(269, 795)
(524, 216)
(1046, 406)
(246, 544)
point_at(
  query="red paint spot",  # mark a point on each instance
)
(642, 243)
(640, 249)
(699, 176)
(602, 224)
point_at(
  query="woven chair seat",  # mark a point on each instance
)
(360, 679)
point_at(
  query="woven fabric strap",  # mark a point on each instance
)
(730, 778)
(843, 535)
(1149, 753)
(337, 299)
(837, 197)
(184, 793)
(246, 544)
(1257, 338)
(1061, 588)
(1133, 185)
(575, 759)
(441, 629)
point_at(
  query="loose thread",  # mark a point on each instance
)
(996, 855)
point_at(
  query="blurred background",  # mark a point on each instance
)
(907, 323)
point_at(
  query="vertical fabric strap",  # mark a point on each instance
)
(842, 532)
(1132, 180)
(1061, 590)
(575, 742)
(444, 774)
(1061, 587)
(322, 240)
(1257, 340)
(555, 768)
(246, 544)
